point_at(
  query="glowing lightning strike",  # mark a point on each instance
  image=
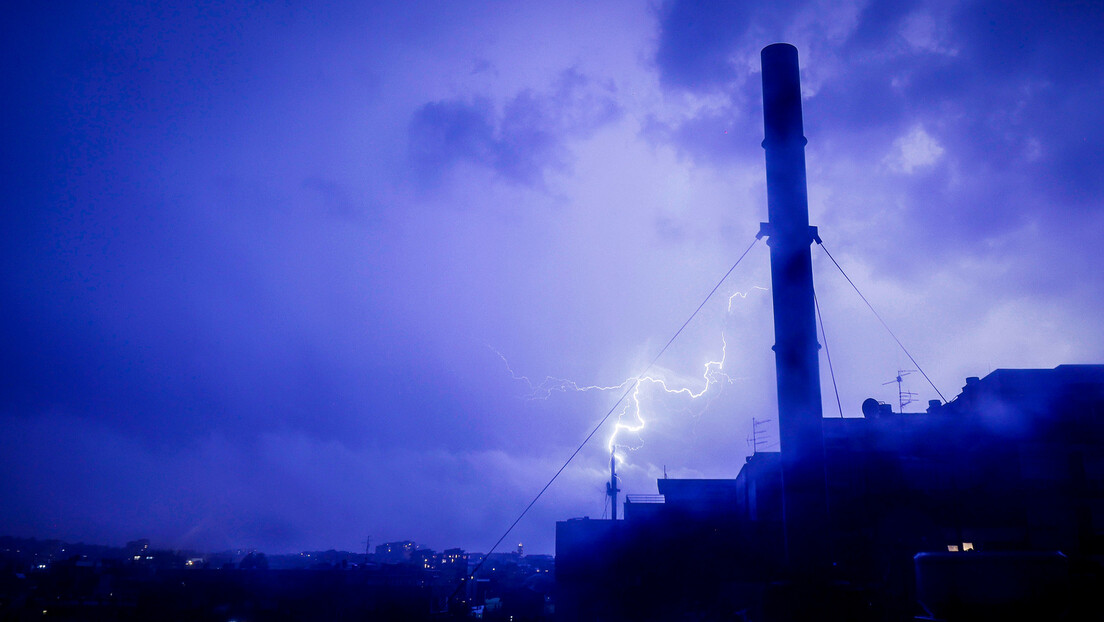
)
(630, 421)
(742, 295)
(543, 389)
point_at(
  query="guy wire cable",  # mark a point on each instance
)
(613, 408)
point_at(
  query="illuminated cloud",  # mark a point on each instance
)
(914, 150)
(922, 32)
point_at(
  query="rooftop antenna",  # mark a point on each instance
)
(754, 439)
(904, 398)
(611, 486)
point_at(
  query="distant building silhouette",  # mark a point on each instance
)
(51, 579)
(395, 552)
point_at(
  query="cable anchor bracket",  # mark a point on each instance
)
(766, 230)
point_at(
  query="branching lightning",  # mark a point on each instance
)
(543, 390)
(631, 420)
(742, 295)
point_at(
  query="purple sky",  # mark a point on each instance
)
(260, 264)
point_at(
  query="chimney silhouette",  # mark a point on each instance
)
(804, 495)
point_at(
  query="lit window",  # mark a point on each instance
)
(952, 548)
(967, 546)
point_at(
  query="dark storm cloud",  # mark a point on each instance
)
(1005, 93)
(1037, 75)
(878, 27)
(173, 323)
(443, 133)
(697, 39)
(137, 271)
(1013, 107)
(701, 45)
(520, 141)
(699, 51)
(711, 137)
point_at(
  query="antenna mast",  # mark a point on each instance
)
(611, 486)
(904, 398)
(754, 439)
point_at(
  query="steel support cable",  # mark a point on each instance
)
(827, 353)
(886, 326)
(823, 444)
(612, 409)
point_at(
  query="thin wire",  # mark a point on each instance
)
(823, 442)
(632, 387)
(828, 353)
(890, 331)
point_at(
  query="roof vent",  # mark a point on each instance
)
(872, 408)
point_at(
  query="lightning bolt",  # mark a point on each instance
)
(543, 390)
(742, 295)
(631, 420)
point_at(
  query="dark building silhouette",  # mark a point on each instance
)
(990, 506)
(992, 501)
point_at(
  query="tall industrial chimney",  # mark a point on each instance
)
(805, 504)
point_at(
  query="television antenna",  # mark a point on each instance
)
(904, 398)
(757, 439)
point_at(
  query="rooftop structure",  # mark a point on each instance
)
(1012, 467)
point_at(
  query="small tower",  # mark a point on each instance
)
(611, 486)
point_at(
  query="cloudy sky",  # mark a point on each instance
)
(292, 277)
